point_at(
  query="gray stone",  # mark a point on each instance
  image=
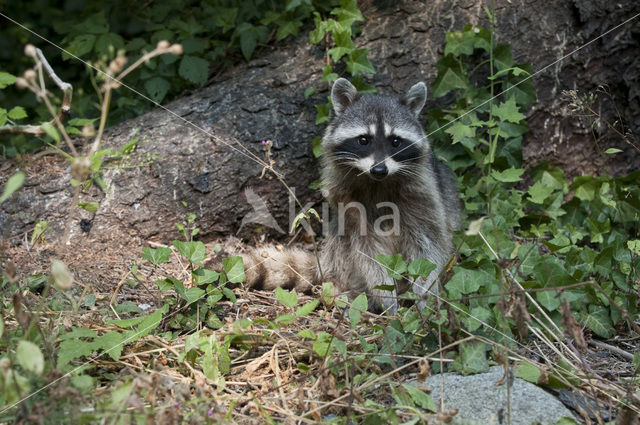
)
(481, 402)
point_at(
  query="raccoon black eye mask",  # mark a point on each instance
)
(382, 140)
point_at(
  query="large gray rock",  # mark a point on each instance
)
(481, 402)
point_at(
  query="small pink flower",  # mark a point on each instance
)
(176, 405)
(210, 412)
(264, 142)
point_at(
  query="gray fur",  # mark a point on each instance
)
(425, 193)
(423, 190)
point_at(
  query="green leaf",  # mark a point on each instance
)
(612, 150)
(358, 63)
(17, 113)
(510, 175)
(307, 308)
(288, 28)
(6, 79)
(316, 144)
(108, 44)
(71, 349)
(322, 346)
(421, 267)
(476, 316)
(538, 193)
(89, 206)
(250, 36)
(93, 24)
(473, 358)
(308, 92)
(80, 46)
(30, 357)
(599, 321)
(393, 264)
(461, 132)
(450, 77)
(204, 276)
(234, 269)
(51, 131)
(529, 372)
(13, 184)
(548, 299)
(111, 343)
(194, 69)
(157, 88)
(508, 111)
(358, 306)
(467, 281)
(194, 251)
(633, 245)
(156, 256)
(328, 293)
(420, 398)
(288, 298)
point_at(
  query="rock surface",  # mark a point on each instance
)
(481, 402)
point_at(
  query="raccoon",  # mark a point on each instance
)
(388, 193)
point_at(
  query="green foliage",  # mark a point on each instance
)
(576, 235)
(337, 32)
(214, 34)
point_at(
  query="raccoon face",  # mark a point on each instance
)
(377, 135)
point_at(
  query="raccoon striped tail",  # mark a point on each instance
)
(268, 267)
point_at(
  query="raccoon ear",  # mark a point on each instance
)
(416, 97)
(343, 93)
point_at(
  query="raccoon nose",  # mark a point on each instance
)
(379, 171)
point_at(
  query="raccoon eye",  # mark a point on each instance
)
(395, 142)
(363, 140)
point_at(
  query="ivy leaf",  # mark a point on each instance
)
(157, 88)
(194, 251)
(421, 267)
(450, 77)
(473, 358)
(529, 372)
(420, 398)
(466, 281)
(156, 256)
(288, 28)
(510, 175)
(6, 79)
(194, 69)
(204, 276)
(234, 269)
(599, 321)
(538, 193)
(508, 111)
(459, 43)
(358, 63)
(393, 264)
(461, 132)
